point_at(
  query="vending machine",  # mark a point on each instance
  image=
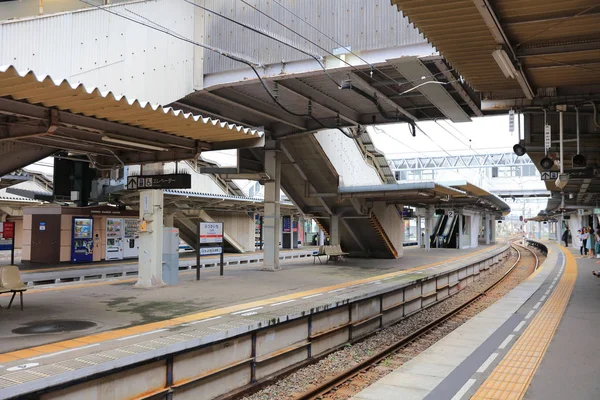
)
(132, 238)
(82, 245)
(114, 239)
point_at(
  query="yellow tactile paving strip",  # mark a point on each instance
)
(135, 330)
(511, 378)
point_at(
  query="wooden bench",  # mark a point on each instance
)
(335, 253)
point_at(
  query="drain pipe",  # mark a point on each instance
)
(562, 170)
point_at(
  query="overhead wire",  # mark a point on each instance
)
(270, 36)
(223, 53)
(349, 50)
(361, 71)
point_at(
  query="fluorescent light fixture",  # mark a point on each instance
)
(132, 144)
(505, 64)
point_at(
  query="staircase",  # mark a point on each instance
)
(321, 227)
(381, 232)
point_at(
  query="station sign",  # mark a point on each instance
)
(547, 137)
(450, 213)
(209, 251)
(581, 173)
(211, 232)
(549, 175)
(210, 242)
(169, 181)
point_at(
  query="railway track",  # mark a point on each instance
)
(353, 379)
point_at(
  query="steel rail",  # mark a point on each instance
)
(345, 376)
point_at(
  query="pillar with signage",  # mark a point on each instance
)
(335, 230)
(210, 243)
(151, 239)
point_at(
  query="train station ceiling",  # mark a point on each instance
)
(39, 116)
(533, 51)
(534, 56)
(339, 97)
(424, 194)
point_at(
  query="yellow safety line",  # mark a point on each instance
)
(511, 378)
(118, 333)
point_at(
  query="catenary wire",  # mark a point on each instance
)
(270, 36)
(350, 50)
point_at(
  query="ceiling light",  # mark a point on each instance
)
(519, 150)
(133, 144)
(505, 64)
(547, 163)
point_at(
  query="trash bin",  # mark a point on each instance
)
(170, 265)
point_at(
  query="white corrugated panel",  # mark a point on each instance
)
(106, 51)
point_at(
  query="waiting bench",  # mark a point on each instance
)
(333, 253)
(10, 281)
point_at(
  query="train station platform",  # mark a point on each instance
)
(69, 332)
(520, 347)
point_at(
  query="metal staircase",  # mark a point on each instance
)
(381, 232)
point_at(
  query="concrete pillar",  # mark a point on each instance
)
(169, 219)
(428, 227)
(493, 231)
(321, 241)
(151, 240)
(272, 224)
(419, 232)
(291, 232)
(335, 230)
(460, 230)
(488, 227)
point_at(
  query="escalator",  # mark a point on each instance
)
(450, 234)
(437, 231)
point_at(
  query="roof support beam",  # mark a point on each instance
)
(491, 20)
(320, 99)
(366, 86)
(441, 65)
(238, 105)
(552, 49)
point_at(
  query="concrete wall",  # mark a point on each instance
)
(392, 223)
(347, 159)
(97, 49)
(237, 225)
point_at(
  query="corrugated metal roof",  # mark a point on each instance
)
(546, 35)
(360, 24)
(105, 105)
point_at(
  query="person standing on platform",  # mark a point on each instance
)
(583, 238)
(590, 243)
(597, 248)
(565, 237)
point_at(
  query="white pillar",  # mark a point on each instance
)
(419, 231)
(272, 224)
(460, 229)
(428, 228)
(488, 227)
(291, 232)
(321, 241)
(151, 240)
(335, 230)
(493, 231)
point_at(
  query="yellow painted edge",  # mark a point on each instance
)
(522, 380)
